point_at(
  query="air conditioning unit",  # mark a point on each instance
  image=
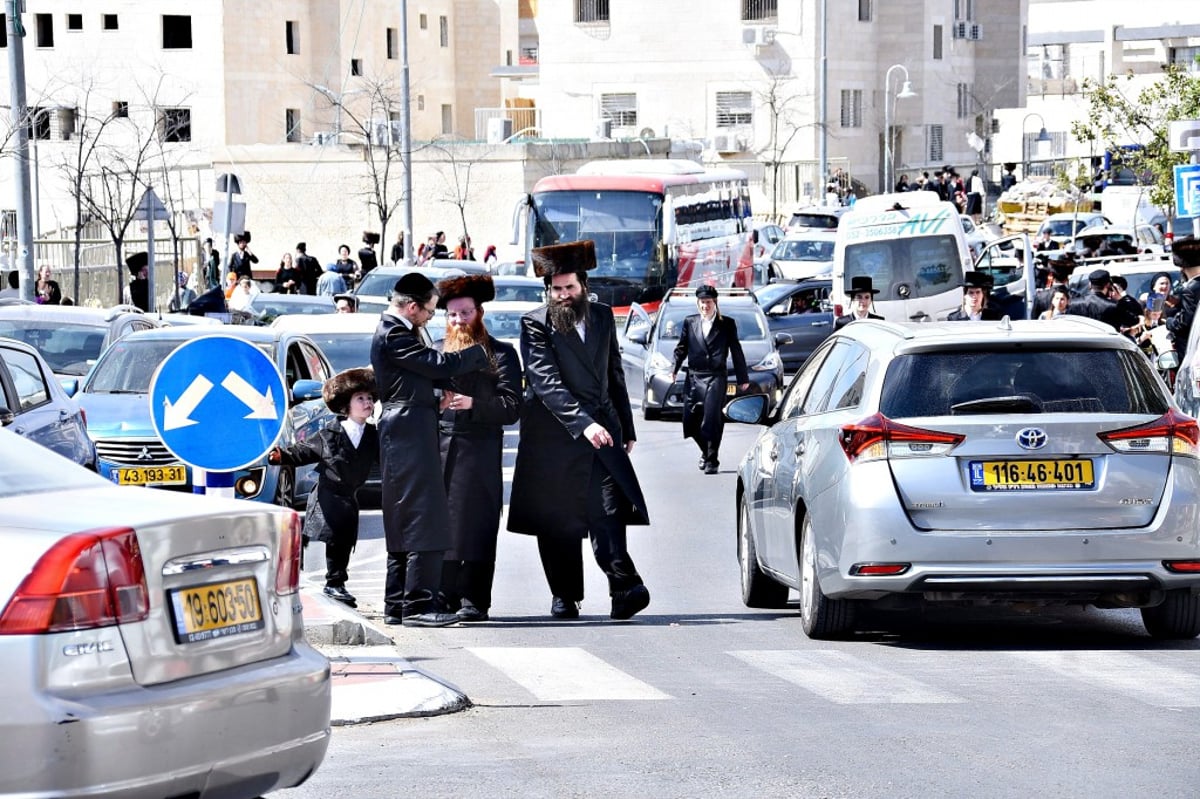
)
(727, 143)
(975, 32)
(386, 132)
(757, 36)
(324, 137)
(499, 129)
(961, 29)
(604, 129)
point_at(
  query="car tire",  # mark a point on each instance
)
(285, 488)
(1178, 617)
(650, 414)
(758, 590)
(820, 616)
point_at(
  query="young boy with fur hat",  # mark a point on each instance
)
(344, 453)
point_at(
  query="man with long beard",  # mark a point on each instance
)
(573, 477)
(474, 410)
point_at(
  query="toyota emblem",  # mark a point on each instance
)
(1031, 438)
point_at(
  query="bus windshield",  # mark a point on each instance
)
(625, 225)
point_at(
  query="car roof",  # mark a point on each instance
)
(1070, 330)
(328, 323)
(517, 280)
(809, 235)
(77, 314)
(249, 333)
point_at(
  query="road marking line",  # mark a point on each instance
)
(565, 674)
(842, 678)
(1149, 682)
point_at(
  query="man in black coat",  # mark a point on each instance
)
(309, 268)
(474, 411)
(1061, 263)
(974, 308)
(416, 517)
(708, 340)
(367, 259)
(242, 258)
(1185, 252)
(573, 477)
(1101, 303)
(862, 295)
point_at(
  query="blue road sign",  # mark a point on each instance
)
(1187, 189)
(218, 403)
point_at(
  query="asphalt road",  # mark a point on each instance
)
(700, 696)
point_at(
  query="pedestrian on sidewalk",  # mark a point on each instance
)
(416, 517)
(573, 478)
(474, 410)
(344, 451)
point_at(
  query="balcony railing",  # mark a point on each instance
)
(524, 122)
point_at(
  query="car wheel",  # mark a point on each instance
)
(1177, 617)
(650, 414)
(758, 590)
(285, 488)
(820, 616)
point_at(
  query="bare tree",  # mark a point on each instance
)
(786, 120)
(460, 158)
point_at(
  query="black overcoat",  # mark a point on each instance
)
(473, 452)
(842, 321)
(415, 513)
(985, 315)
(342, 468)
(705, 385)
(570, 383)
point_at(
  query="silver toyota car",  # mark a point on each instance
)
(972, 462)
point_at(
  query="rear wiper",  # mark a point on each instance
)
(1017, 403)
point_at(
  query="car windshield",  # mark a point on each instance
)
(521, 292)
(128, 366)
(269, 308)
(772, 293)
(377, 283)
(503, 324)
(1056, 380)
(1064, 227)
(823, 221)
(68, 349)
(344, 350)
(803, 250)
(751, 324)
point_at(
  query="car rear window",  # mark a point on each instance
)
(823, 221)
(68, 348)
(1025, 380)
(927, 265)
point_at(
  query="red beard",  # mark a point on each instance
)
(460, 337)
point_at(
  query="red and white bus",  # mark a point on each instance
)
(656, 224)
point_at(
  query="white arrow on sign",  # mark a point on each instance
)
(261, 406)
(176, 415)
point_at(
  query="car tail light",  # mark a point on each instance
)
(879, 569)
(1182, 566)
(287, 568)
(1173, 433)
(86, 580)
(838, 310)
(878, 437)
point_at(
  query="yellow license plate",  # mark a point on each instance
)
(730, 389)
(216, 610)
(1064, 474)
(152, 476)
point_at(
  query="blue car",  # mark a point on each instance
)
(115, 398)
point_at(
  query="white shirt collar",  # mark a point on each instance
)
(354, 430)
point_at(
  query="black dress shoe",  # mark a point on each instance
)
(341, 595)
(711, 468)
(562, 609)
(392, 620)
(627, 603)
(471, 613)
(430, 619)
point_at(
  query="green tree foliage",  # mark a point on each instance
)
(1118, 114)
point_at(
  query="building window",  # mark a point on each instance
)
(933, 135)
(759, 10)
(176, 32)
(964, 10)
(620, 108)
(3, 30)
(39, 123)
(175, 124)
(937, 42)
(420, 102)
(864, 10)
(1185, 57)
(356, 67)
(423, 22)
(444, 31)
(120, 109)
(966, 102)
(447, 120)
(108, 22)
(74, 22)
(852, 114)
(591, 10)
(292, 36)
(734, 108)
(291, 122)
(393, 44)
(45, 30)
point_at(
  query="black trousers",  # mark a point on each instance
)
(562, 558)
(412, 583)
(337, 561)
(468, 582)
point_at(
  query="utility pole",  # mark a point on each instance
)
(406, 136)
(23, 260)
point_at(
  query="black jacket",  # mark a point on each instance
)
(711, 354)
(986, 315)
(1180, 325)
(342, 469)
(842, 321)
(1097, 306)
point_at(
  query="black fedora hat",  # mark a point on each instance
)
(860, 284)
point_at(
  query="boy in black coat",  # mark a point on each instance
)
(344, 453)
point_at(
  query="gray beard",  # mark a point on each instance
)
(565, 318)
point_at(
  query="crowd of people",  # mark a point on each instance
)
(967, 194)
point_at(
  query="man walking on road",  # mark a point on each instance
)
(416, 516)
(573, 477)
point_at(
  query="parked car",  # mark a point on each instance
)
(1134, 241)
(34, 405)
(115, 399)
(71, 337)
(802, 255)
(803, 311)
(648, 346)
(502, 318)
(344, 338)
(519, 288)
(815, 217)
(152, 643)
(376, 286)
(1064, 226)
(266, 306)
(1028, 463)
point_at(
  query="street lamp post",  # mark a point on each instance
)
(906, 91)
(1042, 137)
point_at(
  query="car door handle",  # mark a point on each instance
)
(799, 449)
(819, 324)
(773, 453)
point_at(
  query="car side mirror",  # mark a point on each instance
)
(750, 409)
(306, 390)
(783, 339)
(70, 385)
(1167, 361)
(639, 335)
(6, 416)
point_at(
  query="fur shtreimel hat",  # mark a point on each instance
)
(338, 389)
(243, 236)
(137, 261)
(564, 259)
(370, 237)
(1185, 252)
(478, 287)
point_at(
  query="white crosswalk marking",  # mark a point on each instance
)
(1130, 674)
(844, 679)
(566, 674)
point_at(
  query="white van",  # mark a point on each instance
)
(913, 248)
